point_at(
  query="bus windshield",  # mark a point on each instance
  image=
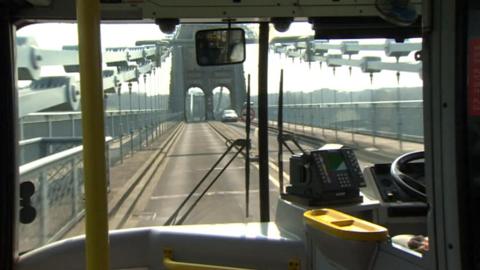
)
(172, 127)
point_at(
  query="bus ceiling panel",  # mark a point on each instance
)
(212, 10)
(260, 9)
(244, 9)
(64, 10)
(362, 27)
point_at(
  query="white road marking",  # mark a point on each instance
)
(271, 177)
(221, 168)
(212, 193)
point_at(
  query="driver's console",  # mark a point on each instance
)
(330, 176)
(382, 185)
(401, 210)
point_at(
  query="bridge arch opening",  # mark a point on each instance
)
(195, 105)
(222, 100)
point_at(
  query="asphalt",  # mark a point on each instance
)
(194, 153)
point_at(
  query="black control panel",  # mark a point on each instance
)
(382, 185)
(327, 174)
(338, 168)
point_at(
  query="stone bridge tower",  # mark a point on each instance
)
(186, 74)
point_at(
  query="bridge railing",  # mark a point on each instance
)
(55, 164)
(136, 129)
(131, 130)
(401, 120)
(36, 148)
(58, 197)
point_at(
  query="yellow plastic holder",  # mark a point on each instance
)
(344, 226)
(338, 239)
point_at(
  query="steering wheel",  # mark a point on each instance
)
(407, 182)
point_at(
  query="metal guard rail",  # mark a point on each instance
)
(58, 179)
(48, 160)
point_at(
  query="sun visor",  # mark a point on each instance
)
(362, 27)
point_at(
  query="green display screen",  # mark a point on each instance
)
(334, 161)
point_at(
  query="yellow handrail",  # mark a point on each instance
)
(97, 246)
(170, 264)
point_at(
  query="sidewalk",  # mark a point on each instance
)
(121, 176)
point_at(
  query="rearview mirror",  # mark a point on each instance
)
(220, 46)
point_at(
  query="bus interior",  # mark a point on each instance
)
(239, 134)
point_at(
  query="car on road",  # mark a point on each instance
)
(229, 116)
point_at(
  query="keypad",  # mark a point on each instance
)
(355, 166)
(344, 180)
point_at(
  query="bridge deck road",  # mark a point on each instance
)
(367, 155)
(192, 155)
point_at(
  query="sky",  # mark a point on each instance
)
(297, 76)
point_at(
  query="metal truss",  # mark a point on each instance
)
(121, 65)
(309, 50)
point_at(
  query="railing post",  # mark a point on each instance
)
(353, 118)
(140, 140)
(121, 121)
(21, 126)
(50, 128)
(138, 125)
(152, 107)
(160, 121)
(50, 134)
(72, 122)
(129, 122)
(145, 123)
(399, 127)
(311, 112)
(372, 117)
(112, 124)
(286, 112)
(151, 101)
(157, 104)
(44, 207)
(296, 115)
(342, 117)
(322, 112)
(302, 109)
(76, 187)
(160, 114)
(399, 117)
(131, 143)
(336, 121)
(354, 123)
(374, 123)
(121, 148)
(287, 109)
(335, 114)
(129, 118)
